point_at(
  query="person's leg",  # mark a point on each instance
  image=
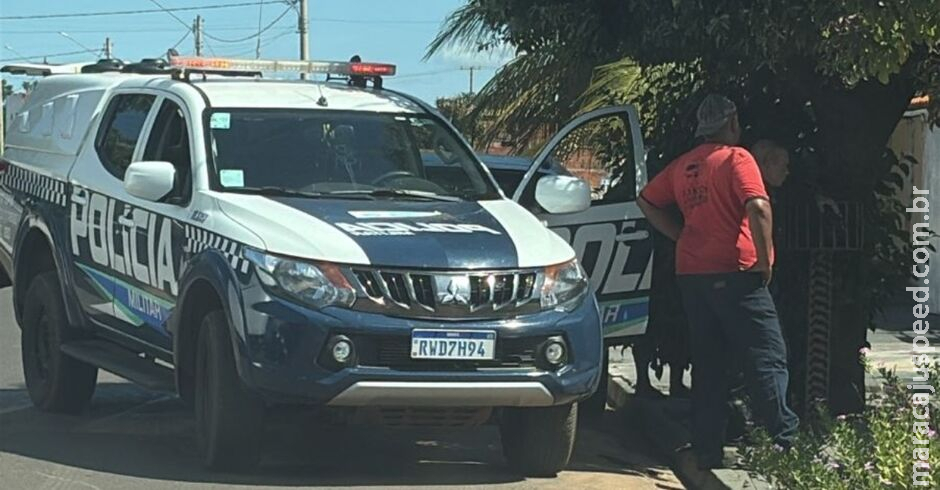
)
(709, 385)
(749, 319)
(676, 387)
(644, 349)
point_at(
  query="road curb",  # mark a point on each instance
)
(669, 436)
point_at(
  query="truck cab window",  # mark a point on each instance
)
(120, 131)
(169, 142)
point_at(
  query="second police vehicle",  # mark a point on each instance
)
(251, 243)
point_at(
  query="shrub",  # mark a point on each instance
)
(872, 450)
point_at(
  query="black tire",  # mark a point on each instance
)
(539, 441)
(55, 382)
(229, 417)
(593, 408)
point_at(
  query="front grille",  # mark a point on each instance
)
(369, 284)
(424, 291)
(396, 287)
(447, 294)
(395, 352)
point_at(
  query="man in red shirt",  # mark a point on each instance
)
(724, 259)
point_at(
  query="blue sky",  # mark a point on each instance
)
(394, 31)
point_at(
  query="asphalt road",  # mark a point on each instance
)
(131, 438)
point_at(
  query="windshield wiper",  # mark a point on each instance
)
(384, 192)
(284, 192)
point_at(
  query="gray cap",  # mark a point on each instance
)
(713, 113)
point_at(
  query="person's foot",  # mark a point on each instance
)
(679, 391)
(647, 391)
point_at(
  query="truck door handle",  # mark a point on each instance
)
(125, 221)
(630, 237)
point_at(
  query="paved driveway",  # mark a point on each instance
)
(134, 439)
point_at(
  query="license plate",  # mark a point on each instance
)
(453, 344)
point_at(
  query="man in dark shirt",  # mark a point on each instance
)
(724, 259)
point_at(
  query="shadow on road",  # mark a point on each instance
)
(132, 432)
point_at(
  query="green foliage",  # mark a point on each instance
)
(829, 80)
(888, 243)
(872, 450)
(808, 43)
(457, 109)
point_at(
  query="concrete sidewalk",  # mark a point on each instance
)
(665, 421)
(892, 345)
(665, 424)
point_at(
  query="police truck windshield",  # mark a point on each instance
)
(342, 154)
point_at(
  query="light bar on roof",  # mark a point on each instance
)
(328, 67)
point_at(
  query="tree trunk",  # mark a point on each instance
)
(853, 129)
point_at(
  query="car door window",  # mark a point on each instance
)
(120, 131)
(599, 151)
(169, 142)
(611, 238)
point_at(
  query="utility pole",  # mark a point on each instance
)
(197, 34)
(3, 117)
(304, 35)
(470, 69)
(107, 48)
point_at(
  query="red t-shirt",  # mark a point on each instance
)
(711, 185)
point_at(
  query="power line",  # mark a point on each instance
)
(426, 73)
(181, 40)
(51, 55)
(124, 31)
(170, 13)
(376, 21)
(128, 12)
(266, 43)
(248, 38)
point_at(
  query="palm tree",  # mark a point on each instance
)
(545, 85)
(529, 96)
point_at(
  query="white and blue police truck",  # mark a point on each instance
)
(249, 243)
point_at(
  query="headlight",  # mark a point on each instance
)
(564, 285)
(317, 284)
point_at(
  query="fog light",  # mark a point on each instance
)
(342, 350)
(339, 352)
(555, 352)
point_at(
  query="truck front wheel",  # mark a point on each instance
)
(539, 441)
(229, 418)
(55, 382)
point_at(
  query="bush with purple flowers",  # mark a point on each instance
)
(871, 450)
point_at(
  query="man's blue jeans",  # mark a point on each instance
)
(733, 316)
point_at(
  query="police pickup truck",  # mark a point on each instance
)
(251, 243)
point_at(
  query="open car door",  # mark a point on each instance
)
(605, 148)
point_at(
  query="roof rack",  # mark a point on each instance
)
(104, 66)
(42, 69)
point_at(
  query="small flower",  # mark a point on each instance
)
(931, 434)
(833, 465)
(864, 351)
(869, 466)
(841, 417)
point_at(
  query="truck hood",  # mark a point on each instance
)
(495, 234)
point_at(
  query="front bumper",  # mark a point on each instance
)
(280, 354)
(444, 394)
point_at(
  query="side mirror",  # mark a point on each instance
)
(560, 194)
(150, 180)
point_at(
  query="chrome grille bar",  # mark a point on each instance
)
(446, 294)
(386, 293)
